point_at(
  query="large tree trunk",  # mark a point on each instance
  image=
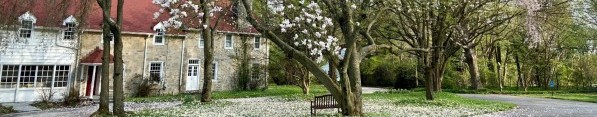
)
(208, 51)
(105, 75)
(118, 66)
(471, 60)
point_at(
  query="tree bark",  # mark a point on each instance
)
(208, 51)
(521, 80)
(118, 105)
(471, 60)
(105, 75)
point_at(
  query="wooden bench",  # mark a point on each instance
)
(323, 102)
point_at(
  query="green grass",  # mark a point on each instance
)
(584, 97)
(284, 92)
(442, 99)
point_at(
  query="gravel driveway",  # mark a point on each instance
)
(86, 111)
(540, 107)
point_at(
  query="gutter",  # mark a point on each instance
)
(181, 65)
(145, 57)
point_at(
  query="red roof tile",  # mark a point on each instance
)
(96, 56)
(137, 14)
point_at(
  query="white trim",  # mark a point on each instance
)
(70, 19)
(159, 26)
(231, 41)
(28, 16)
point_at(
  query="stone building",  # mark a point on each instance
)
(62, 54)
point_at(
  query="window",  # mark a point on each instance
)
(61, 78)
(255, 71)
(26, 29)
(111, 38)
(201, 42)
(228, 42)
(27, 79)
(193, 68)
(215, 71)
(69, 32)
(155, 71)
(158, 38)
(45, 73)
(31, 76)
(9, 77)
(257, 42)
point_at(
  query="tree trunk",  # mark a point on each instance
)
(118, 105)
(305, 82)
(498, 61)
(471, 60)
(105, 75)
(208, 51)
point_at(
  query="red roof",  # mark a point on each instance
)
(96, 56)
(137, 14)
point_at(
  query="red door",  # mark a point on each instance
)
(90, 83)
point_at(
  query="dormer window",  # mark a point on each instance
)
(158, 39)
(69, 32)
(26, 29)
(27, 20)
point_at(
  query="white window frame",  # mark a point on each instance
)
(257, 42)
(30, 29)
(73, 31)
(197, 64)
(231, 46)
(157, 34)
(201, 42)
(102, 38)
(215, 64)
(36, 73)
(161, 69)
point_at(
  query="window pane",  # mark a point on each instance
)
(155, 71)
(213, 71)
(44, 76)
(61, 77)
(9, 76)
(27, 76)
(257, 42)
(228, 42)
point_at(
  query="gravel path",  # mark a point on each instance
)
(88, 110)
(540, 107)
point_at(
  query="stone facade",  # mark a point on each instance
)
(139, 51)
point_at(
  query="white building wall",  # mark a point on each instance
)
(45, 47)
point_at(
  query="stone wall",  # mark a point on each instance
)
(138, 47)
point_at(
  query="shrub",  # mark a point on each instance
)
(146, 88)
(72, 98)
(46, 95)
(6, 110)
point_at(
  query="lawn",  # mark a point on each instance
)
(286, 92)
(585, 97)
(442, 99)
(285, 98)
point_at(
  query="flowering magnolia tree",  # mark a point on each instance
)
(315, 31)
(189, 13)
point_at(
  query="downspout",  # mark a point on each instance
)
(181, 64)
(145, 56)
